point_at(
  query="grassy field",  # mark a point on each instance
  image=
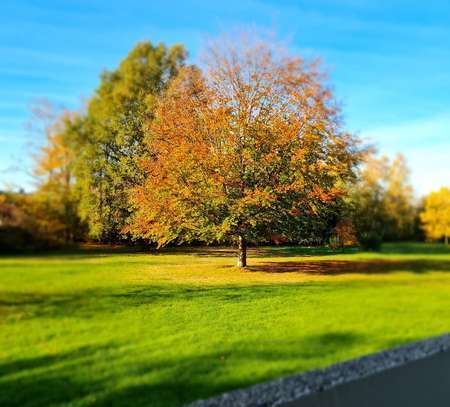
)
(97, 328)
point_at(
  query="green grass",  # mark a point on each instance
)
(106, 328)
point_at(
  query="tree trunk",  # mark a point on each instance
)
(446, 239)
(242, 256)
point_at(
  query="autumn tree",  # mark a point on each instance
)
(111, 137)
(249, 147)
(436, 215)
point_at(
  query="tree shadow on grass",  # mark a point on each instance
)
(416, 248)
(96, 252)
(198, 377)
(83, 251)
(170, 380)
(50, 379)
(86, 251)
(254, 252)
(340, 267)
(90, 303)
(66, 378)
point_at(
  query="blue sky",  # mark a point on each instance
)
(389, 62)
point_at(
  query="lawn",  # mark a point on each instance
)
(110, 328)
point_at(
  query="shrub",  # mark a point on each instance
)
(371, 240)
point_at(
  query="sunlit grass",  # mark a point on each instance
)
(107, 328)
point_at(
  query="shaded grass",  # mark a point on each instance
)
(109, 328)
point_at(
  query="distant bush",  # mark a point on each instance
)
(15, 239)
(371, 240)
(26, 224)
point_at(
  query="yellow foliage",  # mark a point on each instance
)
(436, 215)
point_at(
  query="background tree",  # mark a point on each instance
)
(54, 202)
(382, 201)
(399, 200)
(436, 215)
(111, 135)
(367, 202)
(54, 171)
(249, 147)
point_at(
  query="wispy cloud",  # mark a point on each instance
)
(414, 134)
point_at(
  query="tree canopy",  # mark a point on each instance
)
(246, 147)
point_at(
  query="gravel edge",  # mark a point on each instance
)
(291, 388)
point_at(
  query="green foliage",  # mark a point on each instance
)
(85, 329)
(112, 132)
(382, 202)
(399, 202)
